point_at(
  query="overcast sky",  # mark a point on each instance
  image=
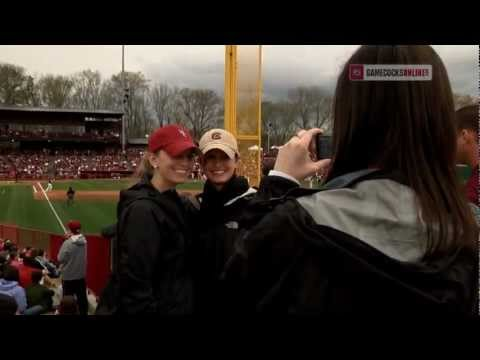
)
(203, 66)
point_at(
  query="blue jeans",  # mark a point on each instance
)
(34, 310)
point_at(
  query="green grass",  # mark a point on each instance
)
(19, 207)
(93, 215)
(194, 185)
(22, 210)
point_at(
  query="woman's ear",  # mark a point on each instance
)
(153, 159)
(469, 136)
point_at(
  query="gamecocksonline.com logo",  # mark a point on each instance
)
(390, 72)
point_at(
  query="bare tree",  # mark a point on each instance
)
(111, 97)
(199, 109)
(161, 99)
(312, 106)
(144, 112)
(286, 122)
(13, 82)
(87, 88)
(281, 117)
(174, 106)
(31, 92)
(56, 90)
(463, 100)
(300, 98)
(322, 102)
(132, 99)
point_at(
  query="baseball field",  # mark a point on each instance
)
(27, 205)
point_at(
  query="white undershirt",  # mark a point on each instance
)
(283, 175)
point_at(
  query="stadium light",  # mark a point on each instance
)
(124, 100)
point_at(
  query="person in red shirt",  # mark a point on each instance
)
(467, 147)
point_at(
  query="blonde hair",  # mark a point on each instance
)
(144, 168)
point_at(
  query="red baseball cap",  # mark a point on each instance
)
(174, 139)
(74, 225)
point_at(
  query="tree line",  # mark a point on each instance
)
(149, 105)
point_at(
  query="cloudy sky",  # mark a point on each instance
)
(203, 66)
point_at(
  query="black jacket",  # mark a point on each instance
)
(316, 252)
(219, 217)
(152, 267)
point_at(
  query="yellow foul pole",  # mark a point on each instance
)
(243, 97)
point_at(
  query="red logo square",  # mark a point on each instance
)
(356, 72)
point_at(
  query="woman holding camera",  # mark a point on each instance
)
(391, 230)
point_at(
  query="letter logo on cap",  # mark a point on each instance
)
(182, 132)
(216, 136)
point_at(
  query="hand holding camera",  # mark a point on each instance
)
(296, 158)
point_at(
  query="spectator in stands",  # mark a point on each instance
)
(39, 297)
(467, 147)
(68, 306)
(153, 226)
(30, 259)
(9, 286)
(73, 265)
(8, 305)
(7, 245)
(24, 252)
(13, 259)
(46, 264)
(3, 262)
(391, 229)
(32, 165)
(25, 271)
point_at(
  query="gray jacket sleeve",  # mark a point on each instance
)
(64, 253)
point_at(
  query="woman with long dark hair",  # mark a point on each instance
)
(391, 230)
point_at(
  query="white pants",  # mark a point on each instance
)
(49, 187)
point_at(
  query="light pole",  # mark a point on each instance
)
(269, 126)
(124, 99)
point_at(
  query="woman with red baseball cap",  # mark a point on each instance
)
(151, 269)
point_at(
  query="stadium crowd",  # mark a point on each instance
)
(64, 164)
(42, 134)
(29, 283)
(69, 164)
